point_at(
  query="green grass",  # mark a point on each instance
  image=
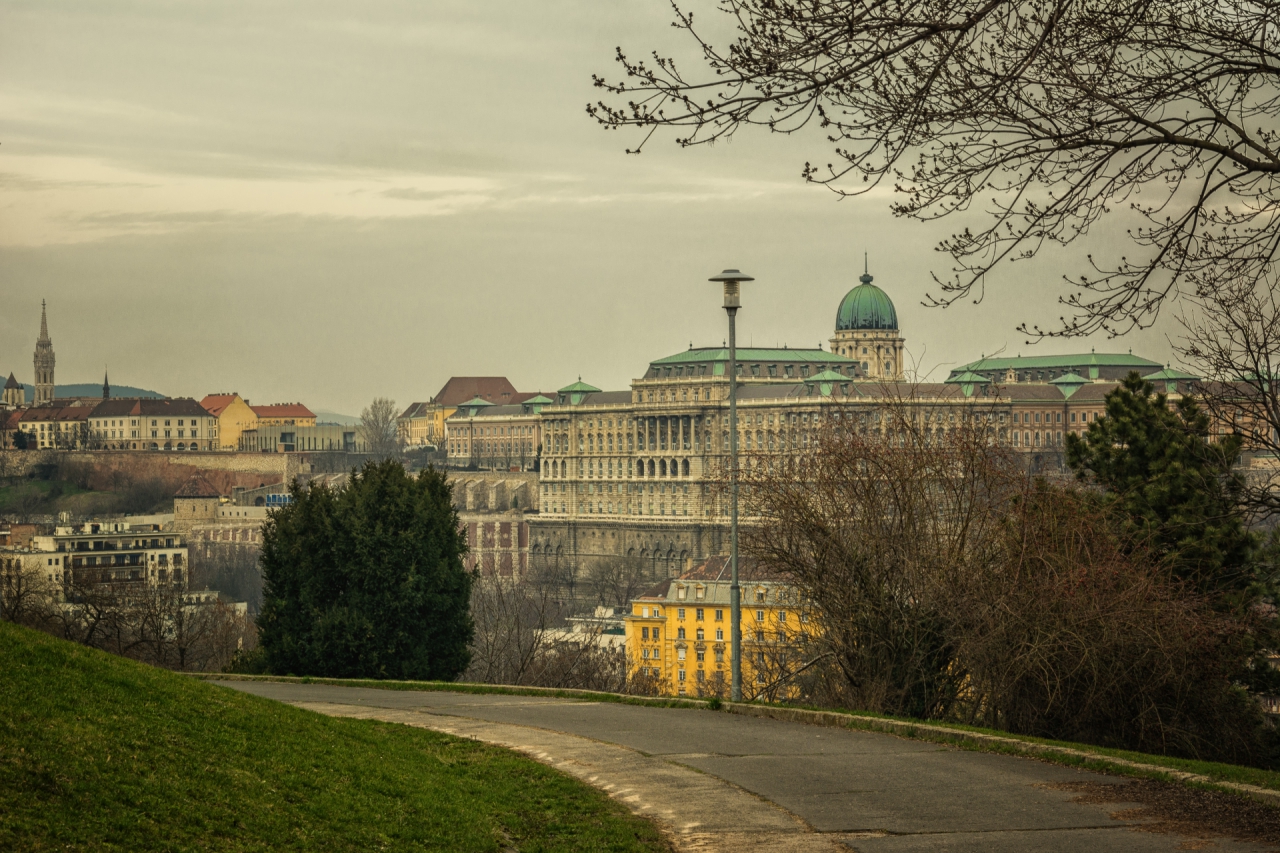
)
(101, 753)
(48, 496)
(953, 734)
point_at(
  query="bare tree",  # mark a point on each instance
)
(867, 517)
(1232, 340)
(523, 635)
(379, 429)
(1029, 121)
(944, 581)
(615, 581)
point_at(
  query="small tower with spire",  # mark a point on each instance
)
(14, 394)
(106, 385)
(44, 362)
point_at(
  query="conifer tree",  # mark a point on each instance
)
(367, 581)
(1173, 484)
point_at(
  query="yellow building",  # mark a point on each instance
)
(234, 417)
(678, 637)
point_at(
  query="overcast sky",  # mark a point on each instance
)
(328, 202)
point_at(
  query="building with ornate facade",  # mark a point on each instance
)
(637, 473)
(481, 435)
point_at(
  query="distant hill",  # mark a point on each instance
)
(335, 418)
(89, 389)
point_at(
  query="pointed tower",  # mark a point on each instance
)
(14, 393)
(106, 385)
(44, 362)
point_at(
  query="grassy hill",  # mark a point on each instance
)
(101, 753)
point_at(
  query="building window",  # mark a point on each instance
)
(698, 614)
(680, 633)
(719, 615)
(720, 634)
(759, 615)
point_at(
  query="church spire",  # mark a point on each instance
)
(106, 385)
(43, 361)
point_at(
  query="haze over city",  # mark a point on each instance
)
(328, 203)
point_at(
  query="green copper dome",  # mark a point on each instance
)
(866, 307)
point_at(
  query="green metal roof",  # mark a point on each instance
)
(1069, 379)
(475, 401)
(968, 378)
(1168, 375)
(712, 354)
(579, 387)
(1099, 359)
(866, 307)
(828, 376)
(540, 399)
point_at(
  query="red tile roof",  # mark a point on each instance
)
(460, 389)
(215, 403)
(177, 407)
(283, 410)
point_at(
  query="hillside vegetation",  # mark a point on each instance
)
(101, 753)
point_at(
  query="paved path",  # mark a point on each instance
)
(726, 782)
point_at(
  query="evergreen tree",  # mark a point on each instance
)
(1172, 483)
(367, 581)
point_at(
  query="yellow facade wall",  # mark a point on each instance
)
(235, 419)
(683, 647)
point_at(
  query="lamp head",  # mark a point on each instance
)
(731, 279)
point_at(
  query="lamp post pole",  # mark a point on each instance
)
(732, 279)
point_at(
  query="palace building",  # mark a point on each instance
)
(636, 473)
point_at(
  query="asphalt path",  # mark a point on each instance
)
(723, 781)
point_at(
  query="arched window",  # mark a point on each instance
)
(639, 467)
(684, 467)
(662, 467)
(651, 468)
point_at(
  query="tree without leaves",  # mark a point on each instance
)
(1034, 120)
(942, 581)
(379, 428)
(1232, 338)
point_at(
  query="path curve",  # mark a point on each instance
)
(722, 782)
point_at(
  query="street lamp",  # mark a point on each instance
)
(731, 279)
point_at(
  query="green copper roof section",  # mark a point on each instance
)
(539, 400)
(1168, 375)
(866, 307)
(579, 387)
(714, 354)
(968, 377)
(1069, 383)
(828, 376)
(1060, 361)
(475, 401)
